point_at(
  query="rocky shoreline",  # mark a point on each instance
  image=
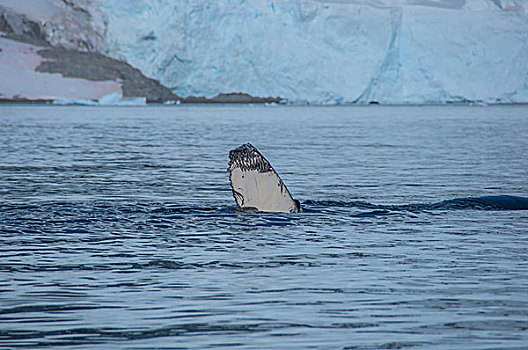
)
(233, 98)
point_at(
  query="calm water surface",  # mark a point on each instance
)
(118, 229)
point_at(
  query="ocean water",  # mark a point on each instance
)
(118, 229)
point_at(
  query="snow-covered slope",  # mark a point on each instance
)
(21, 81)
(390, 51)
(49, 51)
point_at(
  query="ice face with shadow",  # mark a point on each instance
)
(406, 51)
(315, 51)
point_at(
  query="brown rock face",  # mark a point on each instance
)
(19, 27)
(232, 98)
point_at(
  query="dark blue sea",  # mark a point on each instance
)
(118, 229)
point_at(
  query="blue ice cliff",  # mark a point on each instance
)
(321, 52)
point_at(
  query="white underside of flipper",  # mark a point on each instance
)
(256, 185)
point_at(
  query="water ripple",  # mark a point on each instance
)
(118, 229)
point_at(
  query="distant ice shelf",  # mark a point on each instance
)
(307, 51)
(328, 52)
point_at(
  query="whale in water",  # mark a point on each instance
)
(255, 184)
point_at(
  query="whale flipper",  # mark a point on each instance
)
(255, 184)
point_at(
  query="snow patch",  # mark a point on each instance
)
(114, 99)
(19, 80)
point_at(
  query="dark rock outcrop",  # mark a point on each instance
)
(232, 98)
(97, 67)
(19, 27)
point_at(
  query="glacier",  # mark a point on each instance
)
(309, 51)
(327, 52)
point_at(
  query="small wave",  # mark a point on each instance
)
(501, 202)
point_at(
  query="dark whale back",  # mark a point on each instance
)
(502, 202)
